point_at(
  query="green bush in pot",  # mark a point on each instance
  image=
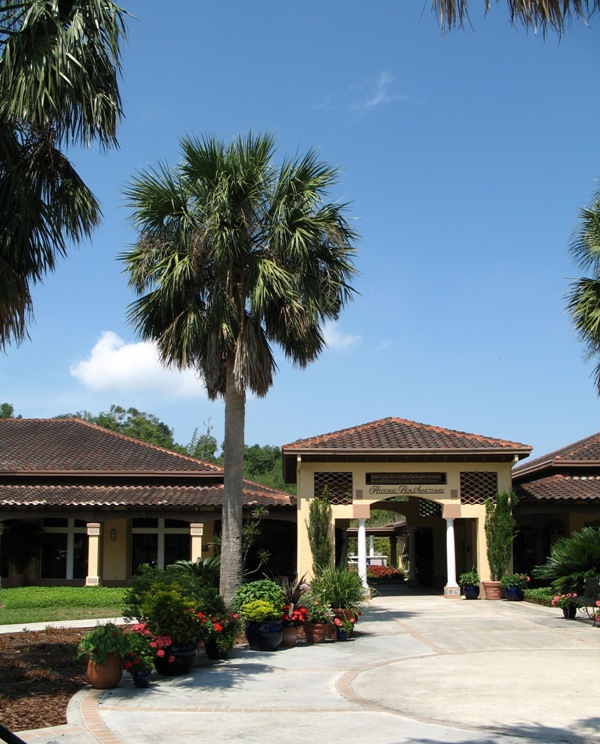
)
(341, 588)
(263, 589)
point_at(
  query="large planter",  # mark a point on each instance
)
(178, 659)
(513, 593)
(265, 636)
(492, 589)
(290, 637)
(316, 632)
(470, 591)
(106, 675)
(570, 611)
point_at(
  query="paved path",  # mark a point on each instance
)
(421, 669)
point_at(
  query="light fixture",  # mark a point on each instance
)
(113, 535)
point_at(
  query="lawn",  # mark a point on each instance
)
(35, 604)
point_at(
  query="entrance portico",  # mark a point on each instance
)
(438, 479)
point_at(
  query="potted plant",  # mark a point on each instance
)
(264, 629)
(343, 628)
(139, 654)
(568, 603)
(223, 628)
(105, 647)
(469, 583)
(513, 586)
(293, 618)
(342, 589)
(172, 617)
(320, 618)
(499, 533)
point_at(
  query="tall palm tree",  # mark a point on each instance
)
(583, 298)
(59, 69)
(542, 14)
(235, 254)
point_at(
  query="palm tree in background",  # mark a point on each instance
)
(235, 254)
(583, 299)
(536, 14)
(59, 69)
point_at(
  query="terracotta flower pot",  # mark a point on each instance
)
(290, 637)
(316, 632)
(492, 589)
(106, 675)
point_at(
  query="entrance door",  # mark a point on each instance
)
(424, 556)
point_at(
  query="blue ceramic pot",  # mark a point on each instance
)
(265, 636)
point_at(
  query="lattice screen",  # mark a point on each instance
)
(476, 487)
(429, 508)
(339, 485)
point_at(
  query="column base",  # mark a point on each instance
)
(92, 581)
(452, 592)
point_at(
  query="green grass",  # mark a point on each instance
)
(35, 604)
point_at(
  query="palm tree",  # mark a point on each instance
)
(235, 254)
(543, 14)
(58, 86)
(583, 298)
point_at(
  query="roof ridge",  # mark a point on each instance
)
(126, 437)
(405, 422)
(555, 454)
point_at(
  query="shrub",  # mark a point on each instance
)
(319, 531)
(104, 639)
(469, 578)
(259, 611)
(384, 573)
(499, 532)
(572, 560)
(264, 589)
(341, 588)
(519, 580)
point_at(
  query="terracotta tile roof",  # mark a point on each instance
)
(400, 435)
(561, 487)
(72, 445)
(149, 496)
(584, 453)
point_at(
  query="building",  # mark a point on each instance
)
(559, 493)
(438, 479)
(94, 504)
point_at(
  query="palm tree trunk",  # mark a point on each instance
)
(233, 463)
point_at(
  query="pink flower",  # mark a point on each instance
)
(160, 652)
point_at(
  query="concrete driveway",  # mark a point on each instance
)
(419, 669)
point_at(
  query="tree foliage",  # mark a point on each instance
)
(235, 254)
(583, 299)
(572, 560)
(59, 69)
(500, 532)
(544, 15)
(319, 532)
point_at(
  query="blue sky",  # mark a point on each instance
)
(466, 159)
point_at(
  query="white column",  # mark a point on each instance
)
(362, 551)
(451, 589)
(412, 569)
(371, 545)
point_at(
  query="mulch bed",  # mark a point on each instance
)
(39, 674)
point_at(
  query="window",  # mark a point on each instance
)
(159, 542)
(64, 549)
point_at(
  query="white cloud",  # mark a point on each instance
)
(370, 95)
(114, 365)
(337, 340)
